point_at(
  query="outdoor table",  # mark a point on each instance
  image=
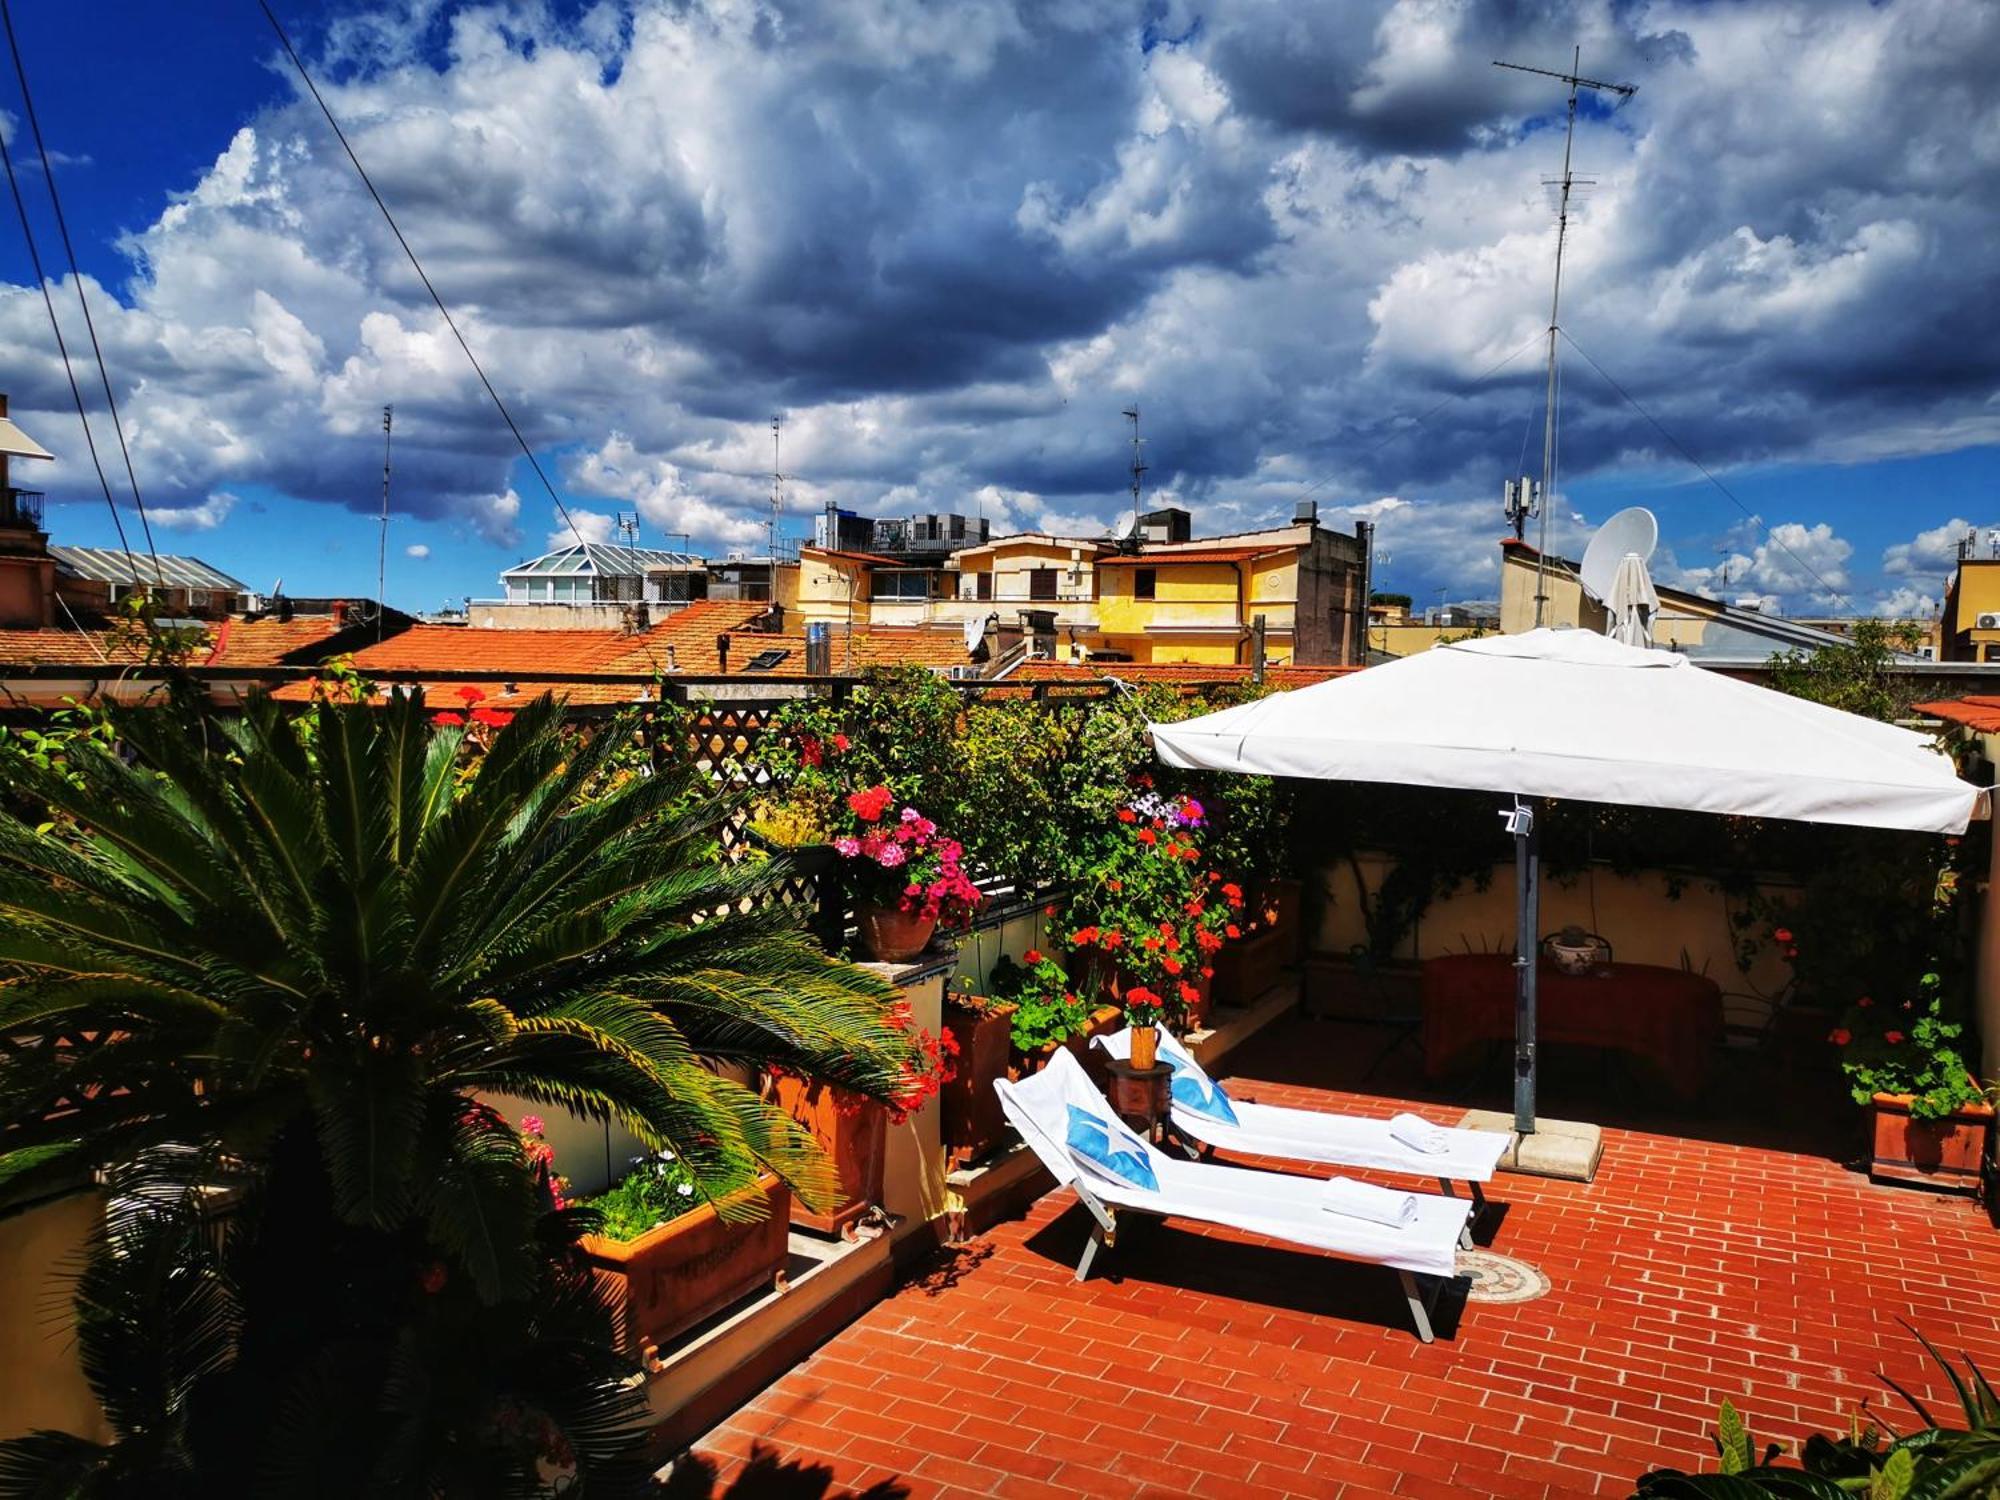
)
(1669, 1017)
(1140, 1097)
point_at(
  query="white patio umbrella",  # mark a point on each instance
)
(1632, 603)
(1569, 713)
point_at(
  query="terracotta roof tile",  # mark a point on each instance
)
(1210, 555)
(445, 694)
(1981, 714)
(267, 643)
(82, 648)
(1175, 674)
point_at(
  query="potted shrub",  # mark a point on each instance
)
(970, 1119)
(906, 878)
(665, 1257)
(1151, 914)
(1929, 1119)
(1050, 1011)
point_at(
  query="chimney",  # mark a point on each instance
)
(1306, 513)
(340, 614)
(673, 660)
(819, 649)
(722, 653)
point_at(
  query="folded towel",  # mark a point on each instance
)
(1419, 1134)
(1360, 1200)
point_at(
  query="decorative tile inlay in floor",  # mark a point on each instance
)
(1500, 1278)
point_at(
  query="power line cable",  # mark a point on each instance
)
(1681, 448)
(366, 181)
(62, 347)
(76, 280)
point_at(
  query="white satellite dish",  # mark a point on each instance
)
(1630, 531)
(1125, 525)
(975, 632)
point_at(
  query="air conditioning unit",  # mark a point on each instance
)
(1986, 622)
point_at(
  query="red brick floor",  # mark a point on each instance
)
(1212, 1364)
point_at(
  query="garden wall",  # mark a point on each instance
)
(41, 1382)
(1674, 919)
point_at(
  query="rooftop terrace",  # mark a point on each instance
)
(1207, 1363)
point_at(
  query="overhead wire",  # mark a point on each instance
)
(1681, 448)
(62, 347)
(506, 416)
(76, 280)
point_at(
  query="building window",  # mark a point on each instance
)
(904, 586)
(1145, 583)
(983, 587)
(1041, 583)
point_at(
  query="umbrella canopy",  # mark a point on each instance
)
(1569, 713)
(1632, 603)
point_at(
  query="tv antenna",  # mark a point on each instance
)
(1722, 568)
(628, 526)
(1139, 464)
(1567, 183)
(777, 492)
(382, 541)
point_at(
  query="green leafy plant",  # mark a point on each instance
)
(1047, 1008)
(1931, 1462)
(655, 1190)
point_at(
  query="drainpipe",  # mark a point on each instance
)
(1257, 649)
(722, 654)
(1364, 533)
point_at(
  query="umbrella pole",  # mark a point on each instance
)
(1527, 951)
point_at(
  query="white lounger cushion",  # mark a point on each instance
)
(1320, 1136)
(1265, 1203)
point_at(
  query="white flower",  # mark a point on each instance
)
(686, 1190)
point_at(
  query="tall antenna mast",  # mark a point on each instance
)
(1567, 182)
(777, 492)
(382, 542)
(628, 527)
(1138, 456)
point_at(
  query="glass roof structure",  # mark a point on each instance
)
(108, 565)
(600, 560)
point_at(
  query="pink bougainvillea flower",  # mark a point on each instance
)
(531, 1124)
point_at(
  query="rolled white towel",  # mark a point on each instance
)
(1361, 1200)
(1419, 1134)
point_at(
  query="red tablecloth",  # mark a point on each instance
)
(1669, 1017)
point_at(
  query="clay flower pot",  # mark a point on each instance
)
(970, 1120)
(892, 935)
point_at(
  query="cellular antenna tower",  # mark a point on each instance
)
(777, 493)
(1567, 184)
(382, 542)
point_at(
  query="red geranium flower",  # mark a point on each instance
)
(469, 694)
(1126, 815)
(1113, 938)
(869, 806)
(1782, 935)
(1840, 1036)
(1232, 930)
(809, 750)
(1171, 965)
(1893, 1038)
(1864, 1002)
(498, 718)
(1147, 836)
(1189, 993)
(447, 718)
(434, 1279)
(1032, 956)
(840, 743)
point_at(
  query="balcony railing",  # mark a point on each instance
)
(21, 508)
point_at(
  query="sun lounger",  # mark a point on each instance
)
(1320, 1136)
(1045, 1110)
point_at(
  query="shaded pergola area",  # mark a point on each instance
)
(1218, 1365)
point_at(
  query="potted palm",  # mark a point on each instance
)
(311, 945)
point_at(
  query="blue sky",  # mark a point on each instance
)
(951, 243)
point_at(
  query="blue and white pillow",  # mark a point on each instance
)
(1194, 1090)
(1121, 1154)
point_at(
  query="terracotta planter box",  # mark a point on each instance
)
(969, 1117)
(1247, 967)
(1198, 1011)
(1284, 896)
(853, 1132)
(1345, 989)
(1945, 1153)
(689, 1269)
